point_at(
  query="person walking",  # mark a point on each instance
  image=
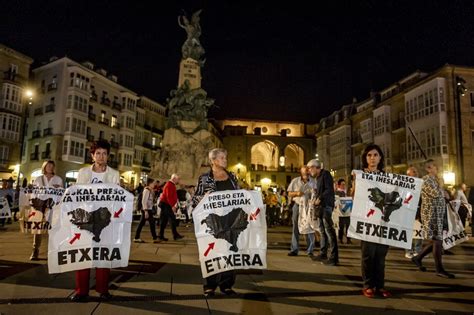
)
(217, 179)
(298, 188)
(98, 173)
(344, 217)
(169, 205)
(433, 215)
(325, 198)
(47, 179)
(148, 196)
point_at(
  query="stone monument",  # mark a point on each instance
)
(188, 137)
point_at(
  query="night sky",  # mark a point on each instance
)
(294, 62)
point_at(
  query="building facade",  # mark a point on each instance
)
(76, 104)
(15, 69)
(414, 119)
(266, 154)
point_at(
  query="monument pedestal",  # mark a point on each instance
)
(185, 152)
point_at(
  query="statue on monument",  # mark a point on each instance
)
(192, 46)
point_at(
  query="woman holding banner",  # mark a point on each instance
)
(48, 179)
(373, 254)
(433, 214)
(99, 172)
(217, 179)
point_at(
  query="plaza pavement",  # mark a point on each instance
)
(165, 278)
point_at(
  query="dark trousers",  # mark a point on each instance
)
(436, 247)
(272, 214)
(344, 223)
(373, 264)
(151, 220)
(167, 214)
(224, 280)
(463, 212)
(328, 234)
(101, 280)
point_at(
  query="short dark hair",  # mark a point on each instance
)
(369, 148)
(100, 144)
(341, 180)
(149, 181)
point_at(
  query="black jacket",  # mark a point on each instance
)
(325, 189)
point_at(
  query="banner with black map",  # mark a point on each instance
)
(5, 211)
(231, 231)
(384, 208)
(36, 208)
(455, 234)
(91, 228)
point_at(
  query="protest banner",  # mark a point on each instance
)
(417, 230)
(5, 211)
(231, 231)
(91, 228)
(384, 208)
(456, 233)
(345, 206)
(308, 222)
(36, 208)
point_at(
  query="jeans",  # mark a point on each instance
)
(151, 220)
(328, 234)
(295, 237)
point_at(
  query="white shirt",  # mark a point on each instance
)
(298, 185)
(147, 199)
(42, 181)
(97, 178)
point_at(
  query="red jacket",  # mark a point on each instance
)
(169, 195)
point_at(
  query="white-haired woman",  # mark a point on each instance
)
(217, 179)
(47, 179)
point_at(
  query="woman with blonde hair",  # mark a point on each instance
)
(47, 179)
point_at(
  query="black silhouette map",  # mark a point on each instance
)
(93, 222)
(227, 227)
(386, 202)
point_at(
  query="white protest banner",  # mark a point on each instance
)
(231, 231)
(384, 208)
(417, 230)
(345, 206)
(36, 208)
(308, 222)
(5, 211)
(91, 228)
(456, 233)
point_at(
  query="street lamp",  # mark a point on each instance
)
(29, 94)
(460, 91)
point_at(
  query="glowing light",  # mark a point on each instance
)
(266, 181)
(449, 178)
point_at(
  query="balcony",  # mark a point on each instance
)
(116, 105)
(105, 101)
(45, 155)
(12, 77)
(147, 126)
(38, 111)
(93, 97)
(90, 138)
(398, 125)
(146, 164)
(34, 156)
(104, 121)
(47, 132)
(50, 108)
(156, 130)
(92, 116)
(52, 87)
(36, 134)
(116, 125)
(114, 144)
(147, 145)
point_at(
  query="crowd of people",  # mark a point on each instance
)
(311, 204)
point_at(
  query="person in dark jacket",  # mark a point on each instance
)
(325, 198)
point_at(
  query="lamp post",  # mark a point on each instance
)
(460, 91)
(29, 102)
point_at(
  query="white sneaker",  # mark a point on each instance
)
(138, 240)
(409, 255)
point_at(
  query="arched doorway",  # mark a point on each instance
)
(264, 156)
(294, 157)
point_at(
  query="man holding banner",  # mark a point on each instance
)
(433, 214)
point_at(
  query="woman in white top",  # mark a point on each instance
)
(147, 211)
(48, 179)
(99, 172)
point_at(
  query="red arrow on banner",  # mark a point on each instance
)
(371, 212)
(31, 214)
(253, 216)
(77, 236)
(117, 213)
(408, 198)
(211, 246)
